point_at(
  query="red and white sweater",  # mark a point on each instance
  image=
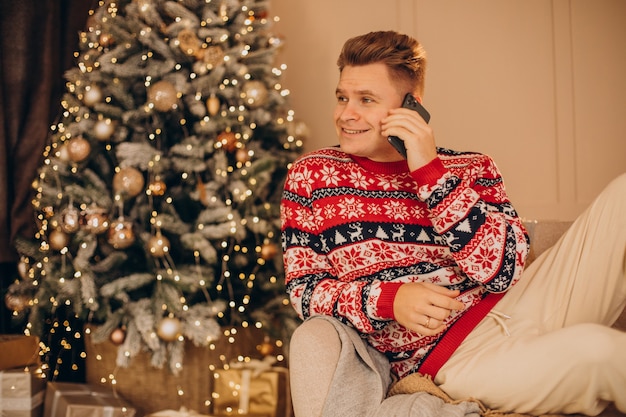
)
(354, 230)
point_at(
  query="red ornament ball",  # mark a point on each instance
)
(265, 348)
(228, 140)
(106, 39)
(268, 251)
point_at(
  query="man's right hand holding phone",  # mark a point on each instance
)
(414, 132)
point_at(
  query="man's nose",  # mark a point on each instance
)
(349, 112)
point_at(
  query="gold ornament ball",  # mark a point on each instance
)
(104, 129)
(16, 302)
(78, 149)
(242, 70)
(163, 95)
(92, 95)
(213, 105)
(242, 155)
(128, 181)
(213, 56)
(22, 268)
(63, 152)
(121, 234)
(117, 336)
(158, 245)
(255, 93)
(157, 188)
(144, 5)
(268, 251)
(168, 329)
(188, 42)
(58, 239)
(96, 221)
(70, 219)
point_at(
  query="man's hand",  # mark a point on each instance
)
(423, 307)
(417, 135)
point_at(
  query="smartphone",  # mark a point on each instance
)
(409, 102)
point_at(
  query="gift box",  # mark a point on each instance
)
(67, 399)
(251, 389)
(183, 412)
(152, 390)
(18, 351)
(21, 392)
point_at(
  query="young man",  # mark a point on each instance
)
(424, 259)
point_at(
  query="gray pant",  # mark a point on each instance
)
(335, 373)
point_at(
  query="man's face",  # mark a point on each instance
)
(365, 94)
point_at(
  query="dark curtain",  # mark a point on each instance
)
(37, 42)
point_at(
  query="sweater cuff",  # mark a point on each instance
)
(384, 306)
(430, 173)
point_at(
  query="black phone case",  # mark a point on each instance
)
(409, 102)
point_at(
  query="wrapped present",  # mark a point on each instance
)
(67, 399)
(252, 388)
(18, 350)
(152, 390)
(21, 392)
(183, 412)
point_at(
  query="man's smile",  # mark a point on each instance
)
(352, 131)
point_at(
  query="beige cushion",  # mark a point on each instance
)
(543, 234)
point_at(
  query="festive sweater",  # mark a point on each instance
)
(354, 230)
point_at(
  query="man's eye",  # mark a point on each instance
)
(367, 100)
(341, 99)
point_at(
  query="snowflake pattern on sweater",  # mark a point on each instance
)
(353, 230)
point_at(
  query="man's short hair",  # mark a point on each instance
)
(403, 55)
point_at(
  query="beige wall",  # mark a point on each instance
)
(537, 84)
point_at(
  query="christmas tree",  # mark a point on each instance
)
(158, 199)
